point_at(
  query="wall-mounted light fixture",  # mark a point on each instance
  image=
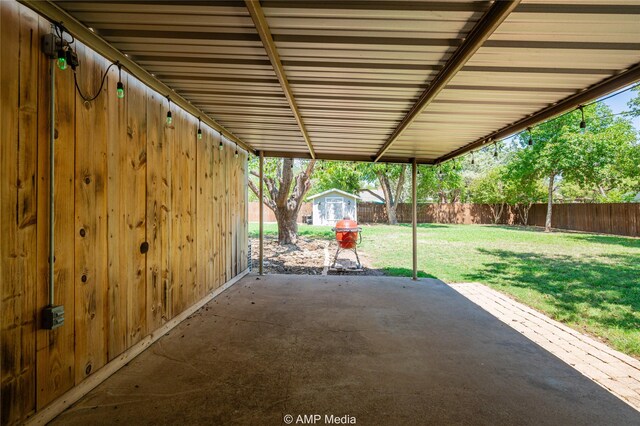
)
(120, 86)
(583, 123)
(169, 117)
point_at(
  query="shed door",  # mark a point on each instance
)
(335, 209)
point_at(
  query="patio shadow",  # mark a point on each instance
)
(604, 293)
(608, 239)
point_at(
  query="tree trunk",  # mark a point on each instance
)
(388, 200)
(391, 214)
(496, 211)
(523, 211)
(547, 222)
(391, 199)
(284, 196)
(287, 229)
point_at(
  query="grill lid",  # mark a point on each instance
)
(347, 225)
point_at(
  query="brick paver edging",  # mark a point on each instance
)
(613, 370)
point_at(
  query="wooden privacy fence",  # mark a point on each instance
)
(428, 213)
(613, 218)
(619, 219)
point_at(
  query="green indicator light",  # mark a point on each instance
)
(62, 63)
(120, 90)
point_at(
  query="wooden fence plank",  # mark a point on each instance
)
(217, 209)
(245, 210)
(204, 211)
(118, 196)
(234, 218)
(91, 222)
(223, 211)
(18, 212)
(177, 249)
(56, 348)
(134, 167)
(158, 213)
(194, 289)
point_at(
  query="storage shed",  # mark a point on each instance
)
(333, 205)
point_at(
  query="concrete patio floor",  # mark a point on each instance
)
(383, 350)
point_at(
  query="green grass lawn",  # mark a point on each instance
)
(590, 282)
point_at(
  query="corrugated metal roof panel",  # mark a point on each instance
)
(356, 68)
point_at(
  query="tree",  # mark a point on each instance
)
(561, 153)
(522, 188)
(489, 189)
(336, 174)
(391, 178)
(284, 192)
(443, 183)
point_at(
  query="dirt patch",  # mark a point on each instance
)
(307, 257)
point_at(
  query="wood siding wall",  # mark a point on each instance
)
(122, 177)
(617, 219)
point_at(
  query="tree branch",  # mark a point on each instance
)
(302, 186)
(267, 202)
(271, 188)
(374, 194)
(254, 188)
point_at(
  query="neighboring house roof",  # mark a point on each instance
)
(333, 190)
(372, 196)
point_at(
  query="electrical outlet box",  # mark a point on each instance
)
(72, 59)
(52, 317)
(51, 45)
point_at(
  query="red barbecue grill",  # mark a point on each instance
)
(348, 236)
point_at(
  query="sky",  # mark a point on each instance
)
(618, 103)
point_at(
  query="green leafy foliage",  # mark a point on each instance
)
(489, 188)
(599, 163)
(336, 174)
(371, 172)
(443, 184)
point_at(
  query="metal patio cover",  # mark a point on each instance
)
(372, 80)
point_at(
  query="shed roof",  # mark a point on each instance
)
(373, 80)
(329, 191)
